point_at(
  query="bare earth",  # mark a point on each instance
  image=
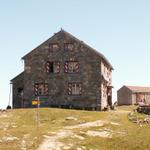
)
(53, 143)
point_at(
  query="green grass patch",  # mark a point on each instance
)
(18, 128)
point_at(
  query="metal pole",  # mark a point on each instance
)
(10, 94)
(38, 117)
(38, 120)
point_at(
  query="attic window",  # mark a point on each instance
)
(71, 66)
(68, 47)
(40, 89)
(74, 89)
(52, 67)
(53, 47)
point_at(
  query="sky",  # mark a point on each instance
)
(120, 29)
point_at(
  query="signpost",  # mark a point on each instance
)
(37, 103)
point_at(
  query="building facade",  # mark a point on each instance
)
(131, 95)
(64, 72)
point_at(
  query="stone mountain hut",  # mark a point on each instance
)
(64, 72)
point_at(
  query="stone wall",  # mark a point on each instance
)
(89, 74)
(17, 90)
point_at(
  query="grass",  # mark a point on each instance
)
(21, 124)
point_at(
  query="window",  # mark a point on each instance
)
(40, 89)
(53, 47)
(71, 67)
(68, 46)
(20, 91)
(52, 67)
(74, 89)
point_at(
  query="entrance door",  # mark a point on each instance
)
(109, 96)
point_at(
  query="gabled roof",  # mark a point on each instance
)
(138, 89)
(70, 35)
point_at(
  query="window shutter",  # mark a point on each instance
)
(69, 89)
(80, 89)
(47, 67)
(36, 89)
(66, 67)
(77, 67)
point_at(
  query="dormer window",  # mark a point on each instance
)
(53, 47)
(68, 47)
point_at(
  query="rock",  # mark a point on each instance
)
(71, 118)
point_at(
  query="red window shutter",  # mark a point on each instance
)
(69, 89)
(47, 67)
(36, 89)
(66, 66)
(77, 67)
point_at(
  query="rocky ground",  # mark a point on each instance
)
(61, 129)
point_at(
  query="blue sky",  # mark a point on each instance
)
(120, 29)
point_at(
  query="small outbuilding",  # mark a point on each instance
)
(130, 95)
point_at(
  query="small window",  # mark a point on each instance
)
(53, 47)
(74, 89)
(20, 91)
(71, 67)
(40, 89)
(52, 67)
(68, 47)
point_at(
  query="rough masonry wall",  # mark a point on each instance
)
(16, 86)
(89, 74)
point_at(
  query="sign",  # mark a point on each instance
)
(43, 98)
(35, 102)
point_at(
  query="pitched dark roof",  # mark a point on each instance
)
(18, 76)
(138, 89)
(70, 35)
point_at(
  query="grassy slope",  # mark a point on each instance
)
(21, 123)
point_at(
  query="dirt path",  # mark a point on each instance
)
(53, 142)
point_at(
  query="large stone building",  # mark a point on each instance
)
(64, 72)
(130, 95)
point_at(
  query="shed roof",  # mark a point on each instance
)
(18, 76)
(138, 89)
